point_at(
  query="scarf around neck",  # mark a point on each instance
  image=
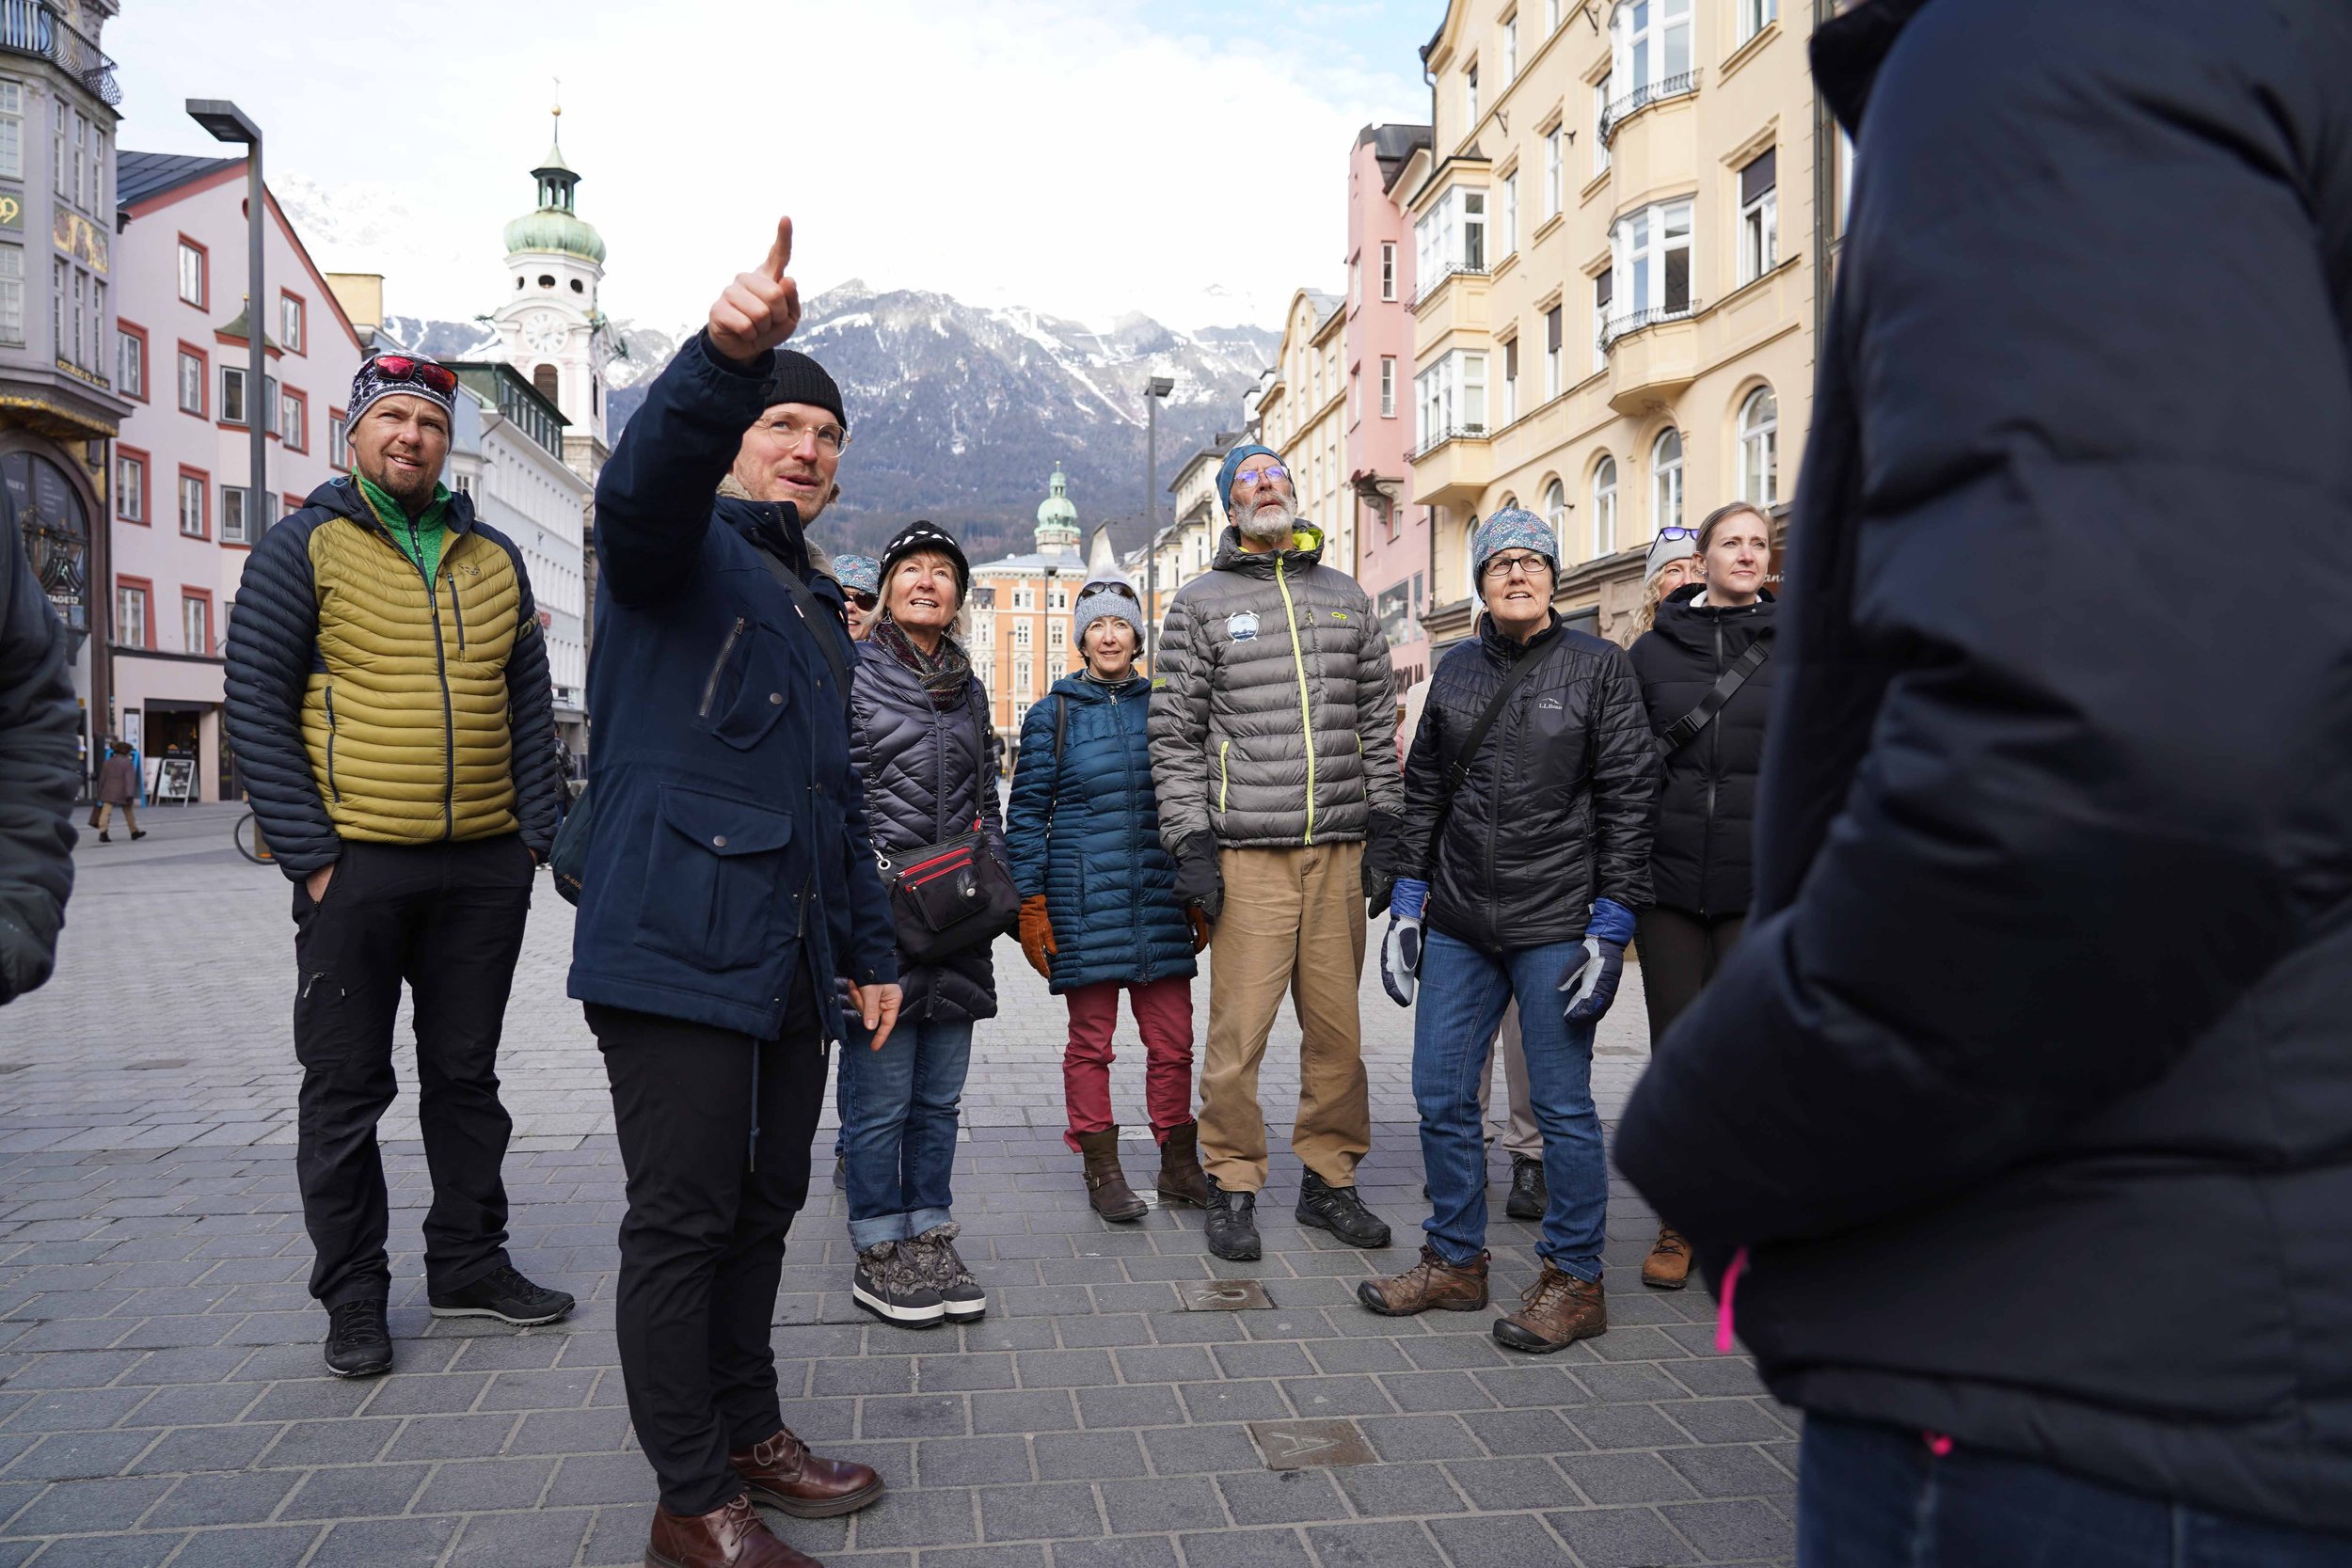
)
(946, 676)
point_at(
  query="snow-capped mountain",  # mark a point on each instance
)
(959, 413)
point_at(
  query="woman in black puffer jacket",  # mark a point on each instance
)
(1700, 865)
(921, 736)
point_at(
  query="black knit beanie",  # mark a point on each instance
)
(919, 536)
(801, 379)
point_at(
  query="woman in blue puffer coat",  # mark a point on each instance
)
(1099, 912)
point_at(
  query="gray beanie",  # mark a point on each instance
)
(1671, 545)
(1106, 596)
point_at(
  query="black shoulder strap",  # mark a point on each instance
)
(1061, 728)
(821, 625)
(1685, 729)
(1459, 773)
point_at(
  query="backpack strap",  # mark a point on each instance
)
(810, 611)
(1685, 729)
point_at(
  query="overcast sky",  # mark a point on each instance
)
(1083, 157)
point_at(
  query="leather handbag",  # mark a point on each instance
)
(951, 897)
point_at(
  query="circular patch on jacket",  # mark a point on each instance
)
(1242, 626)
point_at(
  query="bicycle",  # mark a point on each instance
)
(247, 835)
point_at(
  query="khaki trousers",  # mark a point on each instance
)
(1294, 922)
(1520, 1135)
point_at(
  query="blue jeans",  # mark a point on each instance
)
(902, 1128)
(1463, 995)
(1875, 1497)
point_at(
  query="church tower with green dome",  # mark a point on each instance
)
(550, 327)
(1057, 518)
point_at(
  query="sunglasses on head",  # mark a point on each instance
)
(1678, 533)
(424, 372)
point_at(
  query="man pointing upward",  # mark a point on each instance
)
(730, 884)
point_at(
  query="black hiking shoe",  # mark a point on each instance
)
(1339, 1211)
(359, 1343)
(891, 1283)
(1232, 1229)
(1528, 1196)
(503, 1293)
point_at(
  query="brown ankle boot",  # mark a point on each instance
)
(1106, 1184)
(729, 1537)
(1433, 1282)
(1557, 1311)
(782, 1473)
(1182, 1180)
(1668, 1265)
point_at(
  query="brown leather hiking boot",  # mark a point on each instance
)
(1557, 1311)
(729, 1537)
(1668, 1265)
(1106, 1184)
(782, 1473)
(1432, 1283)
(1182, 1180)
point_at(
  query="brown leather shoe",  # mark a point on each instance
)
(1668, 1265)
(1557, 1311)
(1106, 1184)
(1433, 1282)
(1182, 1180)
(782, 1473)
(729, 1537)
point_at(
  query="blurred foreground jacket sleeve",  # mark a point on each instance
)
(2056, 775)
(37, 769)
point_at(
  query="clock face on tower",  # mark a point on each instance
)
(543, 332)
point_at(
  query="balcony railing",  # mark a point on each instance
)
(30, 28)
(1633, 321)
(1424, 287)
(1436, 439)
(1643, 97)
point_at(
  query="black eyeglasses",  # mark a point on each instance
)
(1526, 565)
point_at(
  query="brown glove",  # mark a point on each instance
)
(1201, 927)
(1036, 935)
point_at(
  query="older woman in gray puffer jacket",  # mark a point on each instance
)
(921, 736)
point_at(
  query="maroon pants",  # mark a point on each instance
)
(1163, 1012)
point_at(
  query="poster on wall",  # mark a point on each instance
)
(178, 781)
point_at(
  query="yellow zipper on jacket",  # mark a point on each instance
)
(1306, 703)
(1224, 774)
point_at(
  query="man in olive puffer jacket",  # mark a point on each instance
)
(1274, 757)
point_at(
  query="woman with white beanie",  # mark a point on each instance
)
(1099, 913)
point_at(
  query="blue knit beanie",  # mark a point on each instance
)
(1234, 460)
(1108, 596)
(1513, 529)
(859, 574)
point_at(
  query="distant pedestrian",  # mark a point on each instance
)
(1099, 915)
(118, 785)
(2017, 1128)
(1524, 863)
(387, 697)
(1672, 562)
(1707, 680)
(860, 576)
(728, 887)
(1274, 755)
(921, 734)
(40, 768)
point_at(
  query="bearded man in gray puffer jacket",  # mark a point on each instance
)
(1274, 757)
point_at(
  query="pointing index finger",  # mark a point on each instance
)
(780, 252)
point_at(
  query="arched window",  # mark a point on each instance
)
(1470, 554)
(1666, 466)
(1759, 448)
(1556, 508)
(1605, 508)
(544, 379)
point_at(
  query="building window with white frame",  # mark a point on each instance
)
(1022, 633)
(1554, 378)
(1451, 237)
(1600, 125)
(1759, 448)
(236, 520)
(1759, 217)
(293, 422)
(291, 333)
(1470, 96)
(130, 488)
(11, 129)
(1510, 214)
(1552, 17)
(191, 384)
(1387, 385)
(1388, 269)
(1510, 380)
(1649, 50)
(1452, 399)
(1605, 507)
(191, 275)
(1604, 283)
(194, 524)
(12, 295)
(1754, 16)
(338, 441)
(130, 616)
(196, 624)
(1651, 252)
(130, 364)
(1556, 508)
(1666, 466)
(1555, 173)
(1510, 49)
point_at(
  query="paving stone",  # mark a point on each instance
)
(1621, 1538)
(269, 1546)
(1039, 1512)
(1088, 1455)
(470, 1486)
(354, 1492)
(1337, 1396)
(911, 1415)
(970, 1461)
(1282, 1498)
(1509, 1432)
(1256, 1401)
(931, 1517)
(116, 1551)
(1192, 1450)
(1151, 1551)
(547, 1539)
(1039, 1410)
(1495, 1538)
(1433, 1436)
(1066, 1369)
(79, 1455)
(1724, 1420)
(1507, 1484)
(1261, 1548)
(1389, 1545)
(452, 1437)
(244, 1497)
(1410, 1490)
(303, 1443)
(1169, 1503)
(1728, 1472)
(956, 1373)
(385, 1543)
(1734, 1531)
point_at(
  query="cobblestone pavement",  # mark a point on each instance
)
(161, 1399)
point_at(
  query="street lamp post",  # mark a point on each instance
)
(1153, 390)
(228, 123)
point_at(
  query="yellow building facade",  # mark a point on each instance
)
(1615, 238)
(1303, 415)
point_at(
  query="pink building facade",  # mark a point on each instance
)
(182, 526)
(1392, 559)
